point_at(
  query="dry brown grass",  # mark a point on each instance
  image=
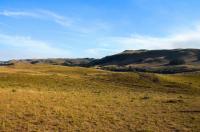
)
(56, 98)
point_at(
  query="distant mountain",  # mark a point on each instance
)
(157, 57)
(58, 61)
(5, 63)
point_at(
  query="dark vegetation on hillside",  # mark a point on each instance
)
(162, 70)
(198, 56)
(177, 62)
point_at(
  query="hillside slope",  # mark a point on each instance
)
(161, 61)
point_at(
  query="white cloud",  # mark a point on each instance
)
(26, 47)
(100, 52)
(187, 39)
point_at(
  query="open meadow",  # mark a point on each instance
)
(59, 98)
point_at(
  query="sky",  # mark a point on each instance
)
(95, 28)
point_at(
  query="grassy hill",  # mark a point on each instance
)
(44, 97)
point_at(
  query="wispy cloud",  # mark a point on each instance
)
(100, 52)
(40, 14)
(73, 24)
(59, 19)
(27, 47)
(18, 14)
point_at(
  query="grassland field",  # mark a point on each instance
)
(37, 98)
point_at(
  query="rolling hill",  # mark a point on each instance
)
(46, 97)
(160, 61)
(55, 61)
(156, 61)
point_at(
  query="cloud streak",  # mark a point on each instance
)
(18, 14)
(73, 24)
(59, 19)
(40, 14)
(186, 39)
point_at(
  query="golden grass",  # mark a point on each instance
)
(57, 98)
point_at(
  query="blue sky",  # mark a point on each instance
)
(95, 28)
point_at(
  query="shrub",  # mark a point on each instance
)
(14, 90)
(145, 97)
(151, 77)
(34, 62)
(198, 56)
(177, 62)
